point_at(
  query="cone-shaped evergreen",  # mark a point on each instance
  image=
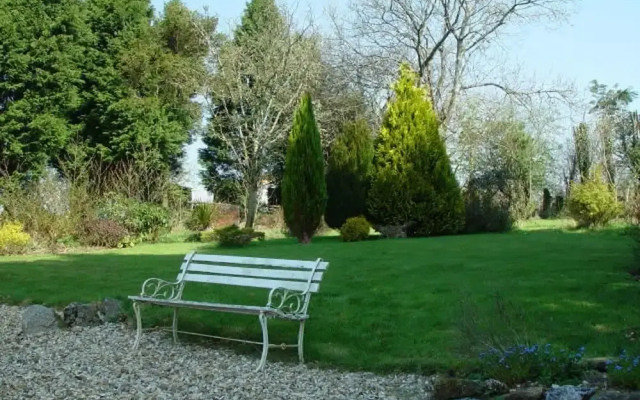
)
(347, 173)
(304, 192)
(412, 181)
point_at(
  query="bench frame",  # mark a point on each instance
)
(283, 302)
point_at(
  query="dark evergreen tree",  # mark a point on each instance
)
(412, 182)
(546, 204)
(582, 150)
(141, 77)
(347, 173)
(42, 45)
(304, 193)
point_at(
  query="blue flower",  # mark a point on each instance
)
(581, 349)
(618, 367)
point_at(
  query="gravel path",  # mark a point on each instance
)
(97, 363)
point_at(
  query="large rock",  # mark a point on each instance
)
(454, 388)
(94, 314)
(77, 314)
(37, 318)
(569, 393)
(613, 395)
(526, 393)
(112, 310)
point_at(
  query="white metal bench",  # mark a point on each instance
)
(291, 283)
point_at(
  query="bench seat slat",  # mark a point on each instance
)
(250, 282)
(269, 262)
(254, 272)
(230, 308)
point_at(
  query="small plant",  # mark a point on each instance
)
(202, 217)
(355, 229)
(593, 203)
(522, 363)
(234, 236)
(13, 239)
(105, 233)
(625, 372)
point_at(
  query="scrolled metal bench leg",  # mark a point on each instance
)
(174, 325)
(265, 341)
(301, 342)
(136, 309)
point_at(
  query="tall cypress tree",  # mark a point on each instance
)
(304, 192)
(583, 150)
(347, 173)
(412, 181)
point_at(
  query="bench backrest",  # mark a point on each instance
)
(265, 273)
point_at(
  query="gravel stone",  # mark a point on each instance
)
(98, 363)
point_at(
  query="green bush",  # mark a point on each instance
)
(144, 221)
(105, 233)
(348, 172)
(304, 192)
(13, 239)
(485, 213)
(232, 236)
(355, 229)
(593, 203)
(412, 183)
(202, 217)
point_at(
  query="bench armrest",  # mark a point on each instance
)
(288, 302)
(160, 289)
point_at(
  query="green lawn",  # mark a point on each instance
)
(386, 304)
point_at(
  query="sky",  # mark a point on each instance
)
(598, 41)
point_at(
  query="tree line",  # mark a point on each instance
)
(446, 143)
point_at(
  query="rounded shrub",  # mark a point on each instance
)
(145, 221)
(232, 236)
(105, 233)
(485, 213)
(355, 229)
(13, 239)
(593, 203)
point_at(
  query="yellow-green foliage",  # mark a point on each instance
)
(412, 183)
(593, 203)
(355, 229)
(13, 239)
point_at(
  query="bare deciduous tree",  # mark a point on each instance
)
(254, 87)
(445, 40)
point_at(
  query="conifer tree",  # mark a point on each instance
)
(412, 182)
(347, 173)
(304, 193)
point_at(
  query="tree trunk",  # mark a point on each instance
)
(252, 206)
